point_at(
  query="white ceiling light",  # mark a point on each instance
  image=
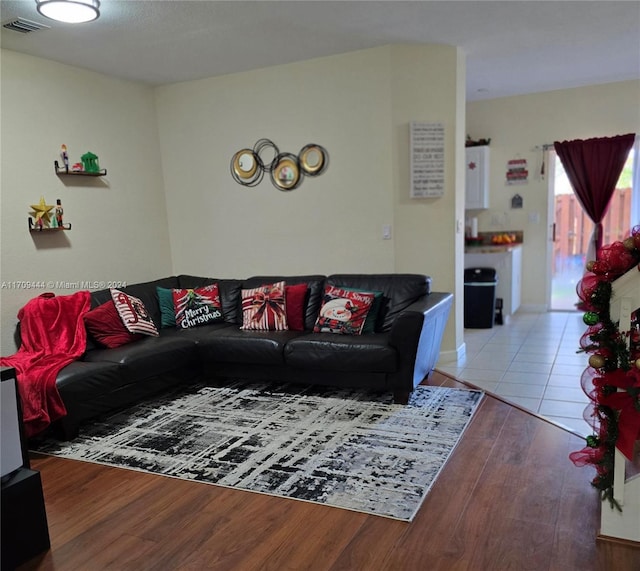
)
(70, 11)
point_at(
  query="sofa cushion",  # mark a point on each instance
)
(105, 326)
(329, 352)
(230, 294)
(134, 314)
(263, 308)
(82, 378)
(197, 306)
(148, 357)
(399, 291)
(235, 345)
(315, 283)
(343, 311)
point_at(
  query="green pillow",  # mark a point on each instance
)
(167, 310)
(372, 316)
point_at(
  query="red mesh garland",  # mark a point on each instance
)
(587, 456)
(613, 415)
(585, 288)
(613, 261)
(586, 342)
(586, 382)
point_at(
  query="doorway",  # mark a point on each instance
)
(570, 229)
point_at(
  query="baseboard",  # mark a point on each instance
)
(453, 356)
(532, 308)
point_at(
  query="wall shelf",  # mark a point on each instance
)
(33, 228)
(64, 171)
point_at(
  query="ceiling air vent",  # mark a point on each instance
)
(24, 26)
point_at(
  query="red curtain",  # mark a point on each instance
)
(593, 167)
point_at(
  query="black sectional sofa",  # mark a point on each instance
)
(400, 353)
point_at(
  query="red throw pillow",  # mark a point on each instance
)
(263, 308)
(343, 311)
(104, 324)
(295, 296)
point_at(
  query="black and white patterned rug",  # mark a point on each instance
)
(340, 447)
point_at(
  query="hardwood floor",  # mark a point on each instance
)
(508, 498)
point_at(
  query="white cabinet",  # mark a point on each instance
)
(508, 264)
(477, 178)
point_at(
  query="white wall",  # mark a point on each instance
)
(358, 106)
(516, 125)
(119, 225)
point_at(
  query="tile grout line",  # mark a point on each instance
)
(527, 332)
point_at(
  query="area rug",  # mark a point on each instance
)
(340, 447)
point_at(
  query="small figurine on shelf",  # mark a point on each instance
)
(65, 157)
(59, 213)
(90, 162)
(76, 167)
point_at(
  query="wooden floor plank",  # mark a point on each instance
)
(508, 498)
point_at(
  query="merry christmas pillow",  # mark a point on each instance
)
(264, 308)
(133, 313)
(343, 311)
(197, 306)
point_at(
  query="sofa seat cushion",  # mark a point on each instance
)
(148, 357)
(235, 345)
(329, 352)
(82, 379)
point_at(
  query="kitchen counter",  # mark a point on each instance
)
(491, 248)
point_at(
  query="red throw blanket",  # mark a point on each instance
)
(53, 335)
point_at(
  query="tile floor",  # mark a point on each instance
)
(532, 361)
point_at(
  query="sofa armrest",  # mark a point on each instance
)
(416, 334)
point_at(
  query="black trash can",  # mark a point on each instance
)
(479, 297)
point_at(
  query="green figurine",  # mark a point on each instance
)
(90, 162)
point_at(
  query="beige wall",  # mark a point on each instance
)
(332, 223)
(430, 87)
(358, 106)
(119, 225)
(516, 125)
(169, 194)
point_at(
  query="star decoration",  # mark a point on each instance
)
(42, 210)
(472, 166)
